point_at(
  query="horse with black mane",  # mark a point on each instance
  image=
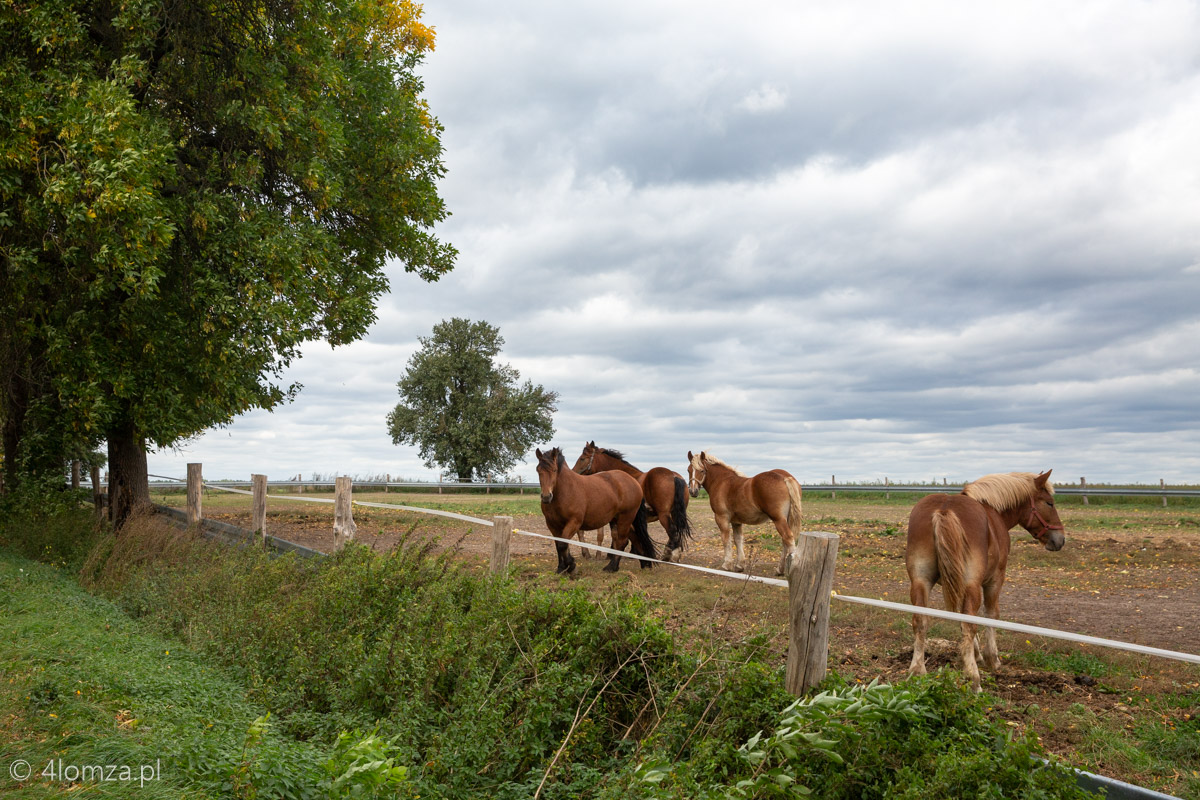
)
(665, 493)
(962, 541)
(572, 502)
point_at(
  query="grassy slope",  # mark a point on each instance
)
(86, 685)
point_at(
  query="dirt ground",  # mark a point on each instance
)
(1126, 573)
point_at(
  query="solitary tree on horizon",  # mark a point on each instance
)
(464, 411)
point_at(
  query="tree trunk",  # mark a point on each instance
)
(128, 481)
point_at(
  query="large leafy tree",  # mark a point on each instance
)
(190, 192)
(466, 412)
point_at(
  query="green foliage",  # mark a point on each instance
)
(463, 410)
(927, 738)
(1076, 662)
(191, 191)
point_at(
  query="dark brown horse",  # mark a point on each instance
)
(737, 500)
(665, 493)
(962, 542)
(572, 502)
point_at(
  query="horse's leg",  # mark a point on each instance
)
(741, 548)
(991, 608)
(618, 543)
(566, 561)
(670, 554)
(918, 593)
(789, 543)
(727, 540)
(972, 599)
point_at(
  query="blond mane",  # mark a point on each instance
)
(709, 458)
(1005, 490)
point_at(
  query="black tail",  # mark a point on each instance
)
(680, 524)
(640, 536)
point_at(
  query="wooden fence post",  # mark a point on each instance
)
(439, 483)
(1083, 486)
(810, 579)
(833, 482)
(1162, 484)
(386, 482)
(501, 537)
(886, 495)
(97, 495)
(258, 508)
(343, 514)
(195, 483)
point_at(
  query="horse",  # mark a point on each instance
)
(737, 500)
(665, 493)
(963, 541)
(572, 502)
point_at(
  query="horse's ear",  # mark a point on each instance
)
(690, 456)
(1040, 480)
(703, 456)
(538, 452)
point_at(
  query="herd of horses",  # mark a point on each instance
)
(961, 541)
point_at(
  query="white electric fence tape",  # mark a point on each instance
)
(1017, 627)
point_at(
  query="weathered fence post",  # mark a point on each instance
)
(97, 495)
(343, 514)
(886, 495)
(386, 482)
(833, 482)
(1083, 487)
(810, 580)
(258, 508)
(1162, 484)
(195, 482)
(439, 483)
(501, 537)
(299, 483)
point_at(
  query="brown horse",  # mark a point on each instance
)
(572, 502)
(665, 493)
(962, 541)
(737, 500)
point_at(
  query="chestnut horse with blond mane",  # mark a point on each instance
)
(737, 500)
(664, 490)
(962, 541)
(572, 502)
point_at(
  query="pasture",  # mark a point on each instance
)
(1130, 571)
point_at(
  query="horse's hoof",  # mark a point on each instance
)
(916, 669)
(646, 564)
(610, 567)
(727, 566)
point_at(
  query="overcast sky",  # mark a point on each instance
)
(861, 239)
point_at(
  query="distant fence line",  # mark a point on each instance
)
(1089, 489)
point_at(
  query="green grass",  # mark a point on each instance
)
(86, 686)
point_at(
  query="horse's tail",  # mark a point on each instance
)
(641, 535)
(794, 505)
(950, 543)
(680, 523)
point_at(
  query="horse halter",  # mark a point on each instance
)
(1046, 526)
(591, 462)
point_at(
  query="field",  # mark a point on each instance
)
(1130, 571)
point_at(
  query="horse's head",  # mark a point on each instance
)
(1042, 521)
(547, 472)
(584, 464)
(697, 473)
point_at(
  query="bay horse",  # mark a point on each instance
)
(962, 541)
(572, 502)
(737, 500)
(665, 493)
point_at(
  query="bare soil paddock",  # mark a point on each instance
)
(1130, 571)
